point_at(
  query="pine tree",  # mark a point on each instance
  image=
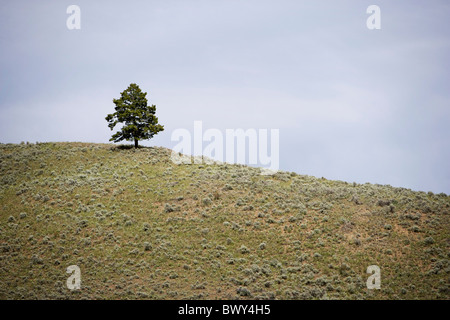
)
(140, 122)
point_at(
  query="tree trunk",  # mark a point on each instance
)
(135, 143)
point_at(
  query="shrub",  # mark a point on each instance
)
(206, 201)
(168, 208)
(243, 249)
(383, 203)
(243, 292)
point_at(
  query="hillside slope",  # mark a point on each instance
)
(141, 227)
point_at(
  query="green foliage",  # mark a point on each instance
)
(140, 122)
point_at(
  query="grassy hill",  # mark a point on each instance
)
(141, 227)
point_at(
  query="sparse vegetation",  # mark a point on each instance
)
(141, 227)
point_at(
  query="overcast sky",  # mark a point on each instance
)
(350, 103)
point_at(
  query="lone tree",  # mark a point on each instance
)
(140, 122)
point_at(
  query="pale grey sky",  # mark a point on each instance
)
(351, 103)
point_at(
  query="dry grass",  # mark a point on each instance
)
(141, 227)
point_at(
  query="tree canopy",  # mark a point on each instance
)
(140, 122)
